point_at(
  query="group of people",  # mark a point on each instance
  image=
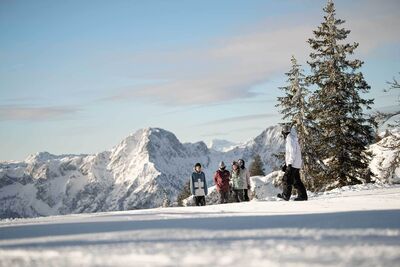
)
(237, 180)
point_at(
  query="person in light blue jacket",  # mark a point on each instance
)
(198, 185)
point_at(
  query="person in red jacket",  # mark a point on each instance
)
(221, 180)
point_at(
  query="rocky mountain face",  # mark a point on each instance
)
(146, 169)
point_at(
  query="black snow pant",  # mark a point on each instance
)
(200, 200)
(238, 194)
(246, 195)
(290, 179)
(223, 197)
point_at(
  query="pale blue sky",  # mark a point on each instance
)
(78, 76)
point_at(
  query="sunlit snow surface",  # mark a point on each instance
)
(353, 226)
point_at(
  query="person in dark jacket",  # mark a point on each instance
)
(293, 163)
(198, 185)
(221, 180)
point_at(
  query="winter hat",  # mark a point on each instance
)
(197, 165)
(286, 129)
(241, 163)
(222, 165)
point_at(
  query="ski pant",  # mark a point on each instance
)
(200, 200)
(246, 195)
(290, 179)
(223, 197)
(238, 194)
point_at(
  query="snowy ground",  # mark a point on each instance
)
(359, 226)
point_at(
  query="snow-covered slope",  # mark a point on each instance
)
(352, 226)
(385, 163)
(146, 169)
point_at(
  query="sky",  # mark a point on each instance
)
(79, 76)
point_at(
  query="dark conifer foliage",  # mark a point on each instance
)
(337, 106)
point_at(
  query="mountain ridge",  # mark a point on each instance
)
(144, 170)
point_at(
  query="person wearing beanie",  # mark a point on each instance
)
(293, 163)
(221, 180)
(245, 175)
(238, 184)
(198, 185)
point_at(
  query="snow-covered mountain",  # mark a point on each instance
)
(222, 145)
(144, 170)
(385, 163)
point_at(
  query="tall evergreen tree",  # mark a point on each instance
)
(337, 107)
(257, 167)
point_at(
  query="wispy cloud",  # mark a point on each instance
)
(26, 113)
(236, 130)
(230, 67)
(239, 119)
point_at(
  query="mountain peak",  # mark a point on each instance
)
(142, 171)
(46, 156)
(222, 145)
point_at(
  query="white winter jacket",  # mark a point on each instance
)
(293, 150)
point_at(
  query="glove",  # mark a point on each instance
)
(283, 167)
(289, 168)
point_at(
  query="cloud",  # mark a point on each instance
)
(239, 119)
(236, 130)
(25, 113)
(229, 68)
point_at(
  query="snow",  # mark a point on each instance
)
(387, 123)
(222, 145)
(351, 226)
(385, 163)
(145, 170)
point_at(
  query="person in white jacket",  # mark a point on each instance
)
(245, 176)
(293, 163)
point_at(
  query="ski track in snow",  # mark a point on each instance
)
(350, 227)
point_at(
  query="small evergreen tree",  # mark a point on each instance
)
(293, 104)
(295, 110)
(166, 201)
(185, 193)
(337, 107)
(257, 167)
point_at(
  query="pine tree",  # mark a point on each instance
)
(257, 167)
(295, 110)
(185, 193)
(337, 107)
(293, 105)
(166, 201)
